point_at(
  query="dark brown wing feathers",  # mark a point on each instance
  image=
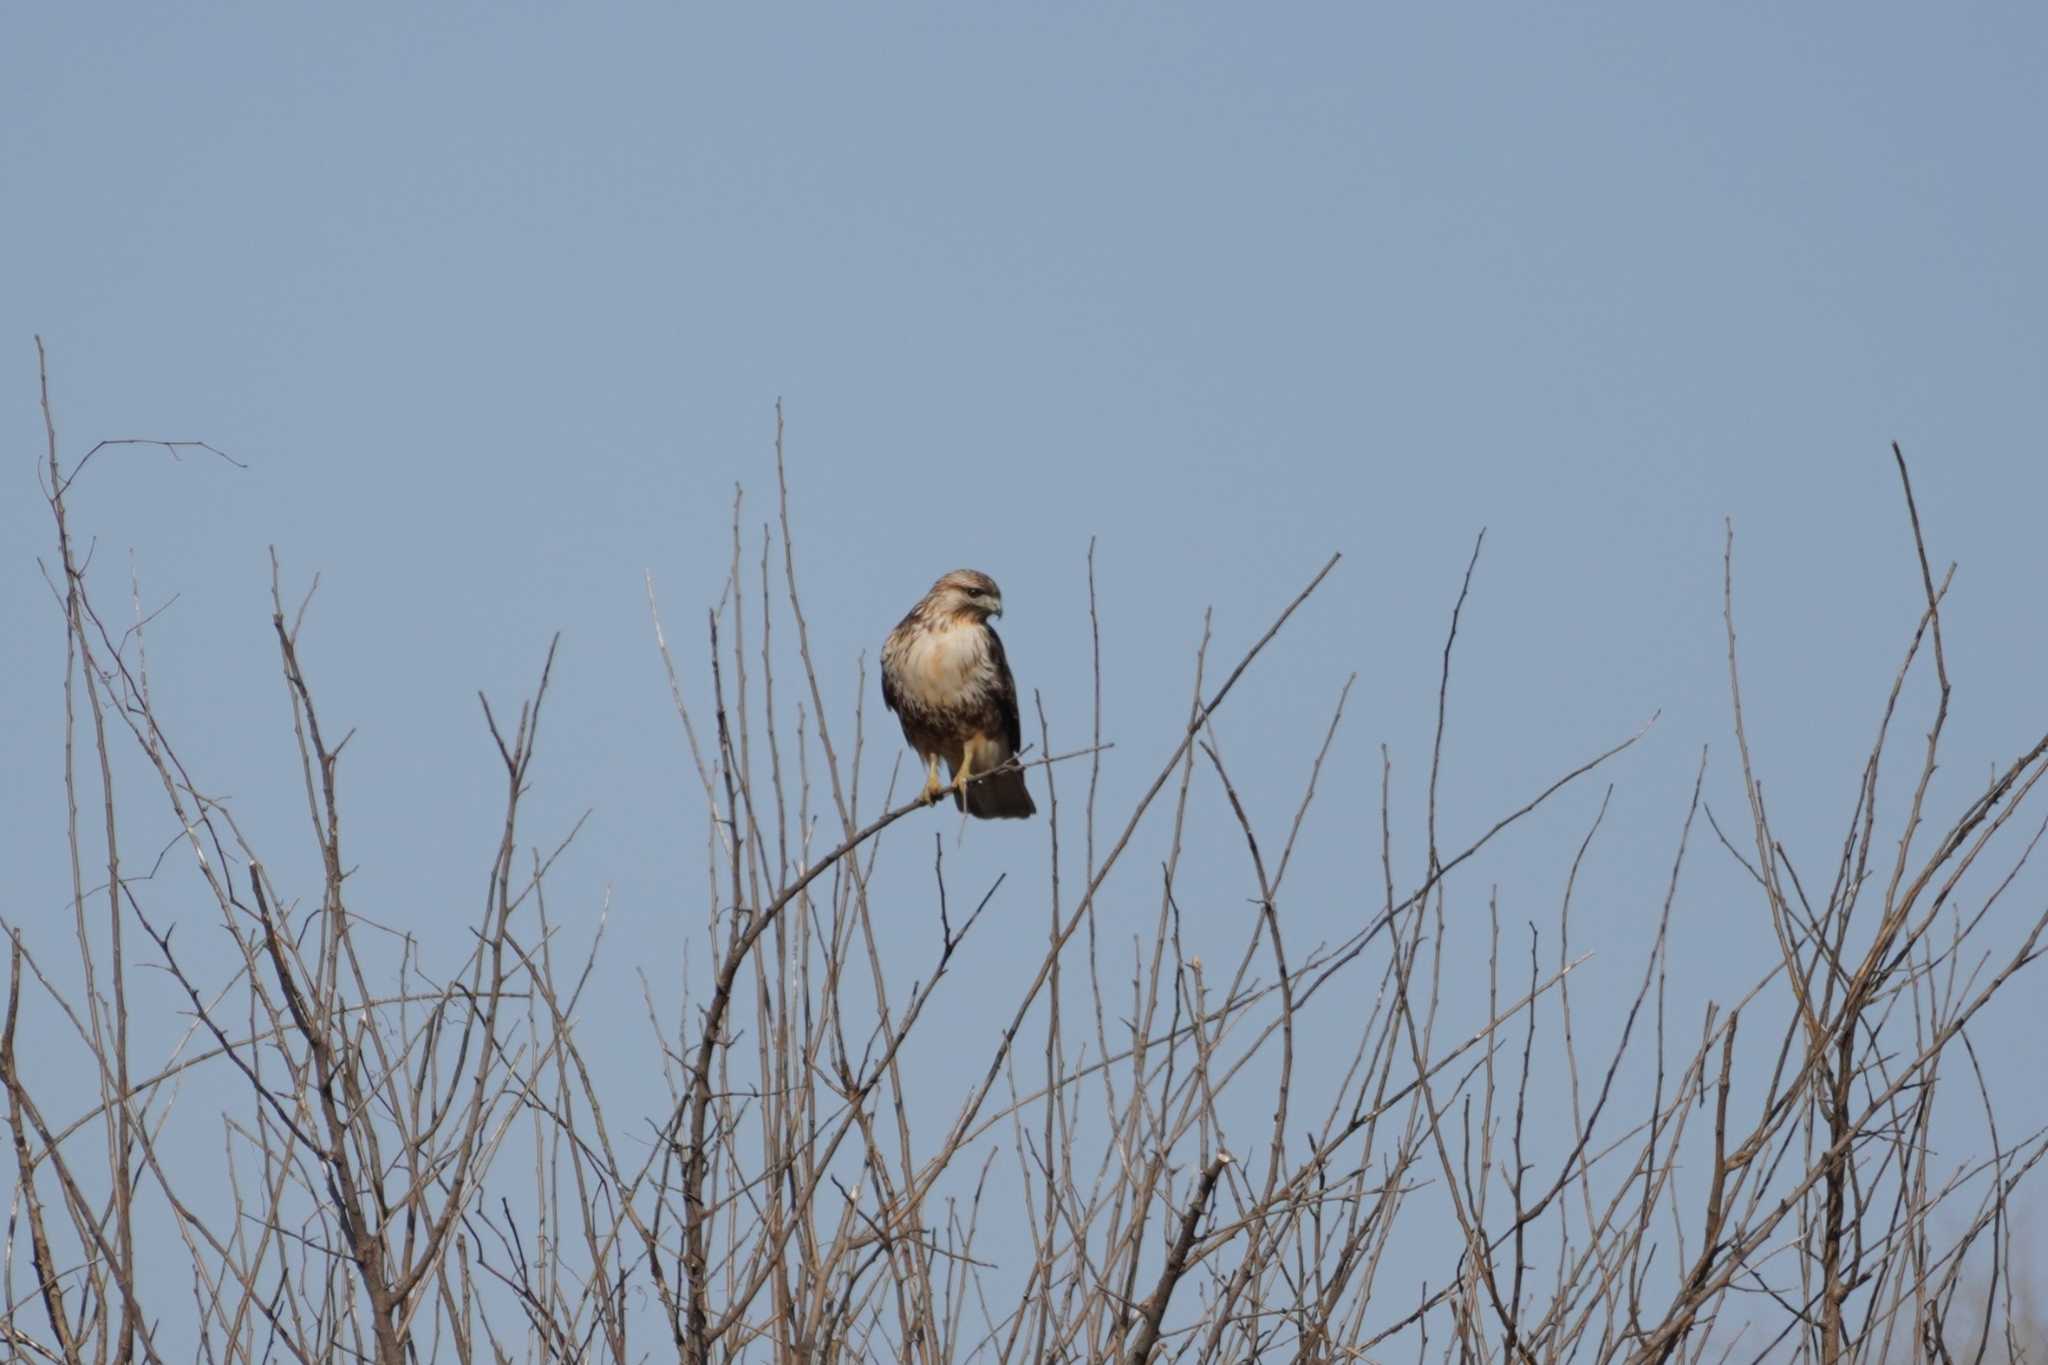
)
(1006, 691)
(889, 697)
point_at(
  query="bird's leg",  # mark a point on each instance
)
(932, 785)
(966, 771)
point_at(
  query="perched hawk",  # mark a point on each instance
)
(945, 677)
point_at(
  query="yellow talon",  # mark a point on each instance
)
(932, 785)
(966, 771)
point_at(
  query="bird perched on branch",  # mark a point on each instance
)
(945, 676)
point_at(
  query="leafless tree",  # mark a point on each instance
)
(419, 1161)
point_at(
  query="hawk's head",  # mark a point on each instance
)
(966, 592)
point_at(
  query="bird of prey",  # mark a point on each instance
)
(946, 678)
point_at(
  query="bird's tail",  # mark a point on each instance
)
(1002, 796)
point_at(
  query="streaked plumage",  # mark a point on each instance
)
(945, 676)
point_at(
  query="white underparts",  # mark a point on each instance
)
(943, 667)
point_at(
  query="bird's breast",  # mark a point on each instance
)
(942, 666)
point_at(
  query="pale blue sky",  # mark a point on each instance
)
(496, 302)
